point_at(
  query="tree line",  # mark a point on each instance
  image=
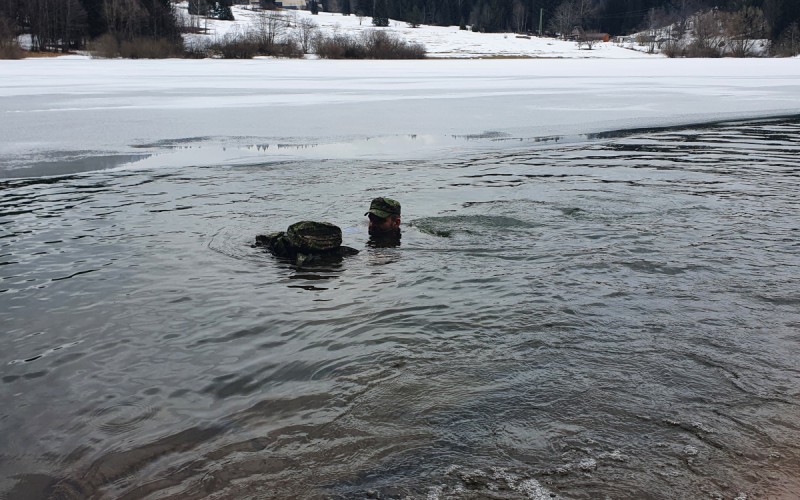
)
(616, 17)
(63, 25)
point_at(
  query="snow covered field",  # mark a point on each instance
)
(451, 42)
(445, 42)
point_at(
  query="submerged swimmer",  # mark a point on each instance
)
(310, 242)
(384, 222)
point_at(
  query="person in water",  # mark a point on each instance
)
(307, 242)
(384, 222)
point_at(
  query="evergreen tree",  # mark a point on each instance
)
(221, 12)
(414, 17)
(380, 13)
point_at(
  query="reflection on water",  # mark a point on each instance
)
(612, 318)
(59, 163)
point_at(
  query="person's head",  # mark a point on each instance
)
(384, 216)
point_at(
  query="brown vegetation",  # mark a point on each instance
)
(9, 48)
(373, 44)
(107, 46)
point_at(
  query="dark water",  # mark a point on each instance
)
(618, 318)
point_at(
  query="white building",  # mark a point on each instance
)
(290, 4)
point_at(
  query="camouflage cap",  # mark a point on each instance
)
(384, 207)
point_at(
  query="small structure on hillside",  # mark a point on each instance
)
(291, 4)
(587, 38)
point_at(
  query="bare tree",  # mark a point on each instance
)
(654, 22)
(306, 32)
(123, 17)
(55, 24)
(9, 48)
(587, 39)
(571, 14)
(743, 30)
(584, 41)
(674, 44)
(584, 9)
(38, 14)
(789, 42)
(520, 16)
(268, 26)
(707, 35)
(563, 19)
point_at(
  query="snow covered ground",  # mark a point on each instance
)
(446, 42)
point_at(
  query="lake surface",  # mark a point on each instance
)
(612, 316)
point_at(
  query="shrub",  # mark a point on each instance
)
(150, 48)
(235, 47)
(382, 45)
(700, 50)
(373, 44)
(248, 45)
(197, 49)
(289, 49)
(340, 47)
(10, 51)
(9, 48)
(329, 48)
(105, 46)
(674, 48)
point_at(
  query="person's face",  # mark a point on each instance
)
(387, 225)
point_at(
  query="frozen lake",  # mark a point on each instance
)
(75, 114)
(577, 309)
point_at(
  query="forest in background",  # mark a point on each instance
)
(65, 25)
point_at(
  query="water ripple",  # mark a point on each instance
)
(615, 317)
